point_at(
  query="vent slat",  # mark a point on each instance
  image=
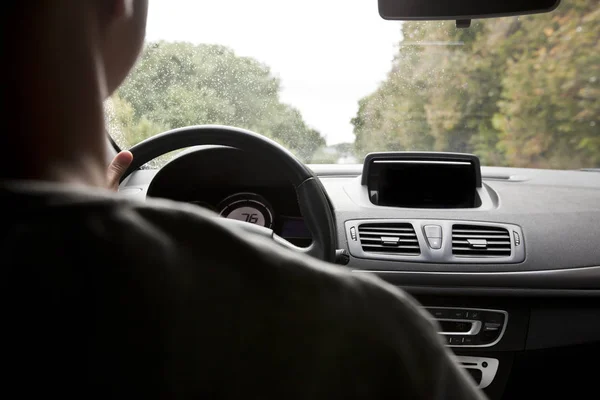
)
(472, 250)
(383, 246)
(466, 235)
(394, 250)
(392, 238)
(378, 229)
(480, 241)
(379, 240)
(390, 232)
(489, 246)
(504, 243)
(483, 255)
(477, 232)
(387, 233)
(477, 227)
(481, 252)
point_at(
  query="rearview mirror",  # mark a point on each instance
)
(461, 10)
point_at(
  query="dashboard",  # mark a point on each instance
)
(556, 215)
(510, 270)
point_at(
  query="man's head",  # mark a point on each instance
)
(61, 59)
(118, 27)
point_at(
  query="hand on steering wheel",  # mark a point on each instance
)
(117, 168)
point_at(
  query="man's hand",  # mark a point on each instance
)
(117, 168)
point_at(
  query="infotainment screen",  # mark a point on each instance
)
(423, 184)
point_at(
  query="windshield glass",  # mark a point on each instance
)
(332, 81)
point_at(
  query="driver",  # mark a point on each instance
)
(105, 297)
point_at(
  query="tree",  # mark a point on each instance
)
(126, 128)
(182, 84)
(516, 91)
(394, 117)
(550, 106)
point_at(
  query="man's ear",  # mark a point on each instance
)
(122, 38)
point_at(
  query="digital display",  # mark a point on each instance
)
(247, 207)
(248, 214)
(423, 184)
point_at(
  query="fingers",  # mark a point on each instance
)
(117, 168)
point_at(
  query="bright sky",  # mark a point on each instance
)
(327, 53)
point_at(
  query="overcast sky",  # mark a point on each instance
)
(327, 53)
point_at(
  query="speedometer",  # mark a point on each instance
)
(247, 207)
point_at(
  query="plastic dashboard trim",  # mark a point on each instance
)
(585, 278)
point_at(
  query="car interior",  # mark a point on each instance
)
(505, 259)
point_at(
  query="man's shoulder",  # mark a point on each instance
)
(277, 298)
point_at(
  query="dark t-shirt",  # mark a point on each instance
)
(106, 297)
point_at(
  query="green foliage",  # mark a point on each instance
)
(516, 91)
(181, 84)
(127, 129)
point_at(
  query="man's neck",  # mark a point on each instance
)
(56, 123)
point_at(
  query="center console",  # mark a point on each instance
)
(472, 328)
(400, 188)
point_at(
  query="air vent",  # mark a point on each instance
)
(415, 240)
(391, 238)
(480, 241)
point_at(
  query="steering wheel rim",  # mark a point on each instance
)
(314, 204)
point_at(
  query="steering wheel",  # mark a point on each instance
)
(314, 204)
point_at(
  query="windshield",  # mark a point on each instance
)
(333, 86)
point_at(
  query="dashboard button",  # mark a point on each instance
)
(439, 312)
(468, 340)
(491, 327)
(458, 314)
(433, 231)
(454, 340)
(473, 314)
(435, 243)
(353, 233)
